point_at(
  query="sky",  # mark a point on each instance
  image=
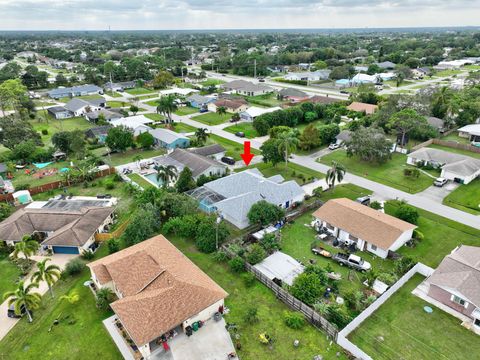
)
(233, 14)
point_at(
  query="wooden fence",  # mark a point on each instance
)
(100, 237)
(54, 185)
(450, 144)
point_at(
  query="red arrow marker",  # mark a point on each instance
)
(247, 156)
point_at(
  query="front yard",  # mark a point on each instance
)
(293, 172)
(185, 110)
(465, 198)
(139, 91)
(212, 118)
(389, 173)
(246, 128)
(234, 149)
(401, 329)
(9, 274)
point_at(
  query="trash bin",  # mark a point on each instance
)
(195, 326)
(217, 316)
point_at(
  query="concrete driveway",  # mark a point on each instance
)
(6, 323)
(437, 194)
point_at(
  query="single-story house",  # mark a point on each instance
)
(362, 107)
(308, 76)
(233, 196)
(137, 123)
(63, 226)
(247, 88)
(419, 73)
(80, 107)
(230, 106)
(159, 290)
(99, 132)
(371, 230)
(120, 86)
(364, 79)
(387, 65)
(320, 99)
(108, 115)
(198, 164)
(74, 91)
(436, 123)
(280, 268)
(199, 101)
(253, 111)
(471, 132)
(59, 112)
(456, 283)
(214, 151)
(343, 136)
(293, 95)
(179, 91)
(459, 168)
(169, 139)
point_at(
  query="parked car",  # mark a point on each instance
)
(228, 160)
(364, 200)
(11, 312)
(353, 261)
(440, 182)
(240, 134)
(333, 146)
(261, 79)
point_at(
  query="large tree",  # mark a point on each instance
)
(166, 106)
(335, 174)
(119, 138)
(270, 152)
(166, 174)
(369, 144)
(264, 213)
(405, 121)
(13, 131)
(287, 143)
(27, 246)
(185, 181)
(163, 79)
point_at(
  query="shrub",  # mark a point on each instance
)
(44, 132)
(237, 264)
(104, 298)
(113, 245)
(307, 287)
(375, 205)
(22, 187)
(270, 243)
(87, 255)
(264, 213)
(250, 315)
(249, 279)
(109, 184)
(25, 265)
(387, 278)
(74, 267)
(220, 256)
(294, 319)
(407, 213)
(256, 254)
(418, 235)
(117, 177)
(338, 315)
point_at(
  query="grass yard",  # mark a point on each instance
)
(234, 149)
(445, 73)
(155, 117)
(212, 118)
(114, 94)
(465, 198)
(80, 333)
(454, 137)
(183, 128)
(130, 155)
(211, 82)
(21, 178)
(117, 104)
(40, 103)
(9, 274)
(389, 173)
(246, 128)
(401, 329)
(456, 151)
(53, 125)
(140, 181)
(152, 102)
(185, 110)
(393, 83)
(349, 191)
(268, 100)
(294, 172)
(270, 314)
(139, 91)
(441, 236)
(148, 96)
(84, 97)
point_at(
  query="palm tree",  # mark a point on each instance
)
(236, 117)
(287, 142)
(27, 246)
(166, 106)
(47, 273)
(221, 110)
(24, 297)
(201, 135)
(166, 174)
(137, 160)
(335, 174)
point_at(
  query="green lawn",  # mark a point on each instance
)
(465, 198)
(185, 110)
(155, 117)
(9, 274)
(210, 82)
(454, 137)
(80, 333)
(234, 149)
(53, 125)
(445, 73)
(270, 313)
(40, 103)
(456, 151)
(21, 178)
(183, 128)
(114, 94)
(268, 100)
(130, 155)
(349, 191)
(212, 118)
(401, 329)
(152, 102)
(246, 128)
(294, 172)
(85, 97)
(441, 236)
(140, 181)
(117, 104)
(389, 173)
(139, 91)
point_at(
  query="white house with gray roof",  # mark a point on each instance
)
(80, 107)
(233, 196)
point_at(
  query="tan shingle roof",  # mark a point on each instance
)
(358, 106)
(162, 287)
(363, 222)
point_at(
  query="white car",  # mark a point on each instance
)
(333, 146)
(440, 182)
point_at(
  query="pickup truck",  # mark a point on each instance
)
(353, 261)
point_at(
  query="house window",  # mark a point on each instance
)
(353, 238)
(373, 247)
(477, 322)
(329, 227)
(458, 300)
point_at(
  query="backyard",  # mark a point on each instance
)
(267, 100)
(139, 180)
(465, 198)
(456, 151)
(389, 173)
(293, 172)
(34, 176)
(234, 149)
(401, 329)
(52, 125)
(128, 156)
(212, 118)
(246, 128)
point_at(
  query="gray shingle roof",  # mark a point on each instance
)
(77, 104)
(197, 163)
(435, 122)
(199, 99)
(57, 109)
(344, 135)
(209, 150)
(292, 92)
(166, 136)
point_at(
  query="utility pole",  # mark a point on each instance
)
(255, 68)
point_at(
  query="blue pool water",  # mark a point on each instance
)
(153, 179)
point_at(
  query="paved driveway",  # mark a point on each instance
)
(437, 194)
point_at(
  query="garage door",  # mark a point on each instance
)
(65, 250)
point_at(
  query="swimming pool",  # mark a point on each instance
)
(153, 178)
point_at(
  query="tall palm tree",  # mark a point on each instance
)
(221, 110)
(166, 106)
(138, 159)
(287, 142)
(201, 135)
(24, 297)
(27, 246)
(166, 174)
(47, 273)
(335, 174)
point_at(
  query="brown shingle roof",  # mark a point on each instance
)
(162, 287)
(363, 222)
(360, 107)
(318, 99)
(229, 104)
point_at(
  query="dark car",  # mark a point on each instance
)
(228, 160)
(240, 134)
(11, 312)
